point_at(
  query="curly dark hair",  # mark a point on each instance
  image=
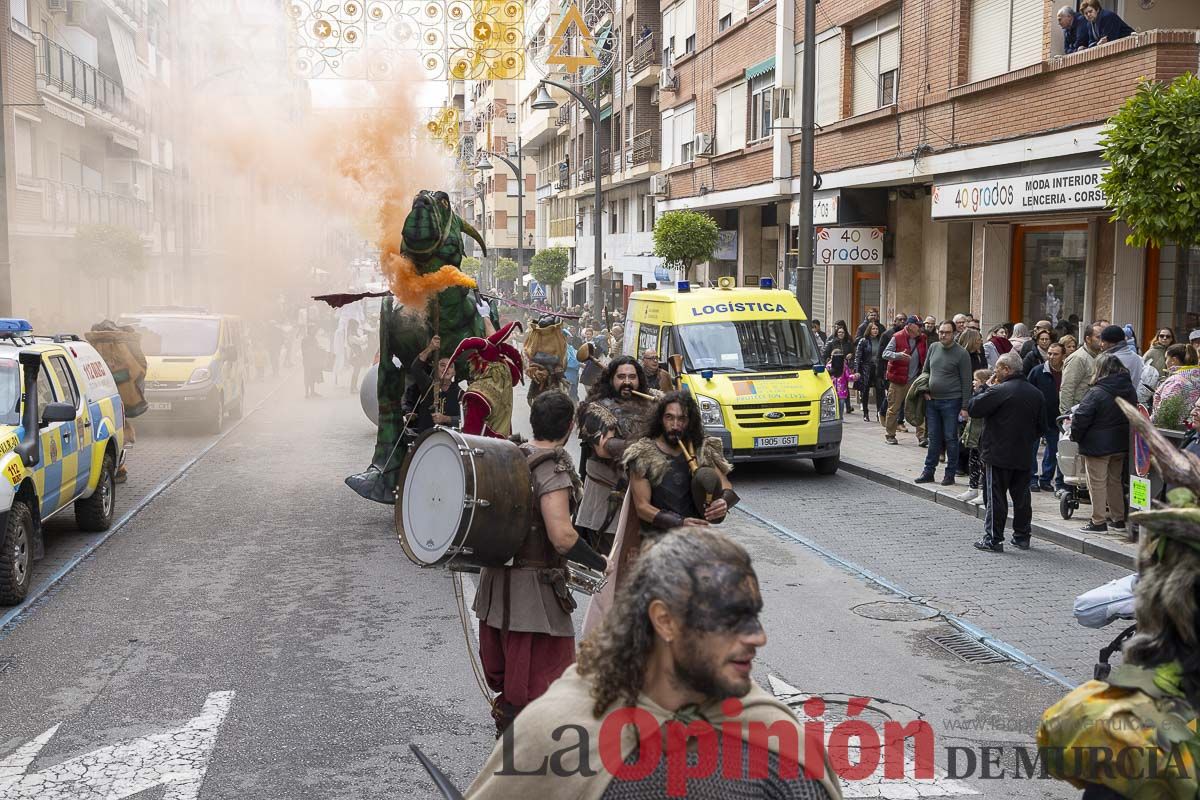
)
(694, 433)
(670, 569)
(603, 388)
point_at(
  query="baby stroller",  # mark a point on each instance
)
(1070, 464)
(1104, 604)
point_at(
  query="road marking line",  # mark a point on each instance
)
(12, 614)
(177, 759)
(972, 630)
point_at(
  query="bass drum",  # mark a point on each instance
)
(463, 499)
(368, 394)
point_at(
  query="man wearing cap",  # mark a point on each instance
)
(1194, 338)
(1112, 341)
(905, 356)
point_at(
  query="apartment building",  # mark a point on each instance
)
(958, 130)
(626, 97)
(490, 116)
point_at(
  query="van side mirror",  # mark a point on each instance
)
(58, 412)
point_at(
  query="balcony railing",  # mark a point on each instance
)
(564, 227)
(644, 54)
(587, 172)
(66, 206)
(643, 150)
(564, 114)
(66, 72)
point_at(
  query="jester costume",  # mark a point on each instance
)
(1135, 733)
(432, 239)
(495, 369)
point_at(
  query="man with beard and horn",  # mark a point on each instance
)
(673, 656)
(612, 415)
(1134, 733)
(495, 369)
(677, 476)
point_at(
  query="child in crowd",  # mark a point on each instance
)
(971, 434)
(843, 379)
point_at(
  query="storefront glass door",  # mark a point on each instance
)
(1050, 276)
(866, 296)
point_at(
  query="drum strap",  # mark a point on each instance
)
(507, 601)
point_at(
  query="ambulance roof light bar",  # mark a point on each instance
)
(766, 283)
(683, 287)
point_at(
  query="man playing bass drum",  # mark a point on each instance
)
(526, 636)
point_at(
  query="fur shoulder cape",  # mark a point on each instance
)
(644, 457)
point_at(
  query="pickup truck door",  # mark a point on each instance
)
(70, 470)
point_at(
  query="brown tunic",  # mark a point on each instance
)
(533, 607)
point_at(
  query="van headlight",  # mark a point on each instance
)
(710, 411)
(829, 406)
(200, 375)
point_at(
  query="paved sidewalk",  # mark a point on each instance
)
(864, 453)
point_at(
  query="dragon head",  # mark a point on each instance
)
(433, 232)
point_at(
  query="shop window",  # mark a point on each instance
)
(1006, 35)
(1179, 290)
(1049, 276)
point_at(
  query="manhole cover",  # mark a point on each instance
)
(967, 649)
(895, 611)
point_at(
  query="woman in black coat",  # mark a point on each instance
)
(1037, 354)
(1102, 431)
(839, 340)
(867, 357)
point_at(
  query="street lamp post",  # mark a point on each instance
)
(544, 102)
(484, 165)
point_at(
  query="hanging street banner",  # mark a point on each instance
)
(855, 247)
(1070, 190)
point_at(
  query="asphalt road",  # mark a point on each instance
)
(256, 632)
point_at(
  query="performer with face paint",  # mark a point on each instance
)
(675, 650)
(668, 490)
(495, 370)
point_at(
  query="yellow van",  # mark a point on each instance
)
(196, 364)
(751, 363)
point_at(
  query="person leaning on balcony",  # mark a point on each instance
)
(1074, 28)
(1103, 26)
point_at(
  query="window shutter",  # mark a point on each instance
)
(686, 21)
(668, 29)
(1027, 28)
(738, 116)
(889, 51)
(668, 140)
(990, 29)
(866, 77)
(829, 80)
(685, 128)
(740, 9)
(724, 121)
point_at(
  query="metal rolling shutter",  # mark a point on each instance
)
(990, 31)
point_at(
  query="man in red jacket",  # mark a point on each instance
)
(905, 358)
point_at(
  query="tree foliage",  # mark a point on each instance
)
(470, 266)
(1153, 181)
(507, 270)
(681, 238)
(110, 250)
(549, 267)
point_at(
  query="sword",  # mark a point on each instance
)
(440, 780)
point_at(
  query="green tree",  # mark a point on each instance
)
(681, 238)
(549, 267)
(110, 250)
(1153, 181)
(507, 270)
(470, 266)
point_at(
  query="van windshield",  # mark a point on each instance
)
(10, 392)
(177, 336)
(750, 346)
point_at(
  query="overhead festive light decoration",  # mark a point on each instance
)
(442, 126)
(376, 40)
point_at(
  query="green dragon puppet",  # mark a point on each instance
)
(432, 239)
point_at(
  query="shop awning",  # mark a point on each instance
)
(127, 63)
(605, 113)
(762, 68)
(576, 277)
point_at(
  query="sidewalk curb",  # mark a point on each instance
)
(1103, 551)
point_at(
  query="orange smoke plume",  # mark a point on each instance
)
(413, 289)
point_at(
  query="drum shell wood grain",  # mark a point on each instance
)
(497, 479)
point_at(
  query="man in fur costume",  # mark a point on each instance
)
(609, 420)
(678, 476)
(495, 370)
(668, 670)
(1135, 734)
(546, 355)
(121, 348)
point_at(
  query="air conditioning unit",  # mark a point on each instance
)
(659, 185)
(512, 150)
(57, 5)
(76, 12)
(666, 79)
(654, 95)
(702, 144)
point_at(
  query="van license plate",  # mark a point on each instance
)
(776, 441)
(167, 407)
